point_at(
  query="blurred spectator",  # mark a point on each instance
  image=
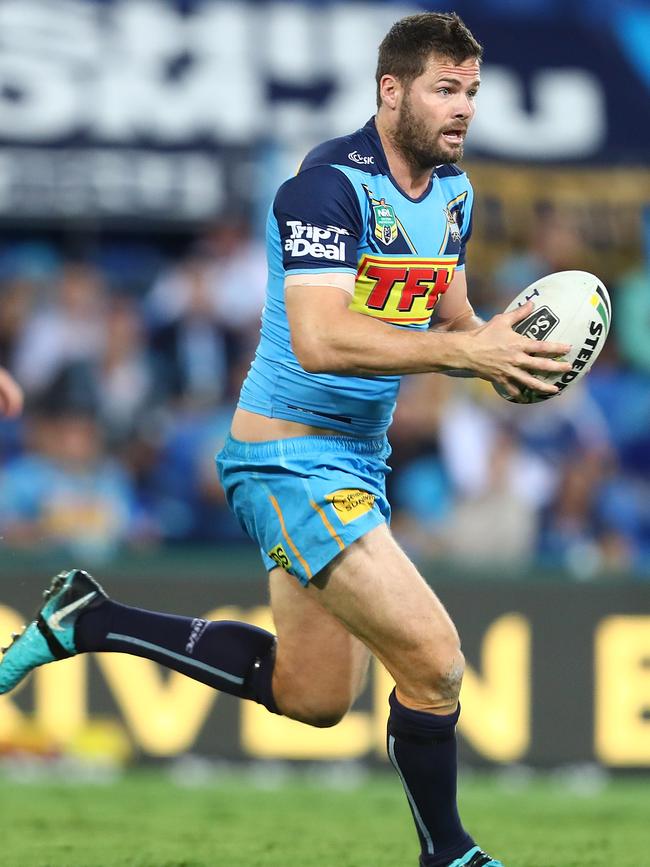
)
(577, 534)
(69, 328)
(232, 269)
(194, 347)
(123, 375)
(33, 262)
(240, 263)
(632, 319)
(551, 243)
(188, 500)
(418, 488)
(624, 498)
(181, 484)
(65, 492)
(18, 294)
(497, 524)
(204, 312)
(492, 474)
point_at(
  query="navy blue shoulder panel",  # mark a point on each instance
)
(319, 219)
(360, 150)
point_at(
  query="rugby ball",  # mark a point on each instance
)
(570, 307)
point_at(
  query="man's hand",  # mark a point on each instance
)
(11, 395)
(497, 353)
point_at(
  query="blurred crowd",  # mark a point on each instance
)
(132, 356)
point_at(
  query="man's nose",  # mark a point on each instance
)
(464, 107)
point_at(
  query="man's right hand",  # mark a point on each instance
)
(497, 353)
(11, 395)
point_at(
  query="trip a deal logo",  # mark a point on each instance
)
(401, 289)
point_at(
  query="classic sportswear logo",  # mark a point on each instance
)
(360, 159)
(350, 504)
(308, 240)
(54, 620)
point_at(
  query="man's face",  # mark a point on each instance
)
(435, 112)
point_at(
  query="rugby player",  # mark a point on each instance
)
(365, 244)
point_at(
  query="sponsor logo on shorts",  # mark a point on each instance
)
(539, 324)
(350, 504)
(320, 243)
(361, 159)
(280, 556)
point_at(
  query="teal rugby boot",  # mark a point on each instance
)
(476, 858)
(50, 635)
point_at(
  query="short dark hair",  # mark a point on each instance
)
(411, 41)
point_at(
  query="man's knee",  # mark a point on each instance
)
(307, 702)
(436, 679)
(321, 714)
(447, 675)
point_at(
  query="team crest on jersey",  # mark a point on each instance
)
(452, 223)
(385, 221)
(386, 224)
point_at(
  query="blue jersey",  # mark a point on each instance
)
(344, 212)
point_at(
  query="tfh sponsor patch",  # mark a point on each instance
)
(350, 504)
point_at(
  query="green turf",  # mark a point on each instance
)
(146, 820)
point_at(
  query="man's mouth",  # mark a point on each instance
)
(454, 136)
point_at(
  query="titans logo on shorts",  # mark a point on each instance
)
(344, 213)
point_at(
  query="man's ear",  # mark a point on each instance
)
(390, 90)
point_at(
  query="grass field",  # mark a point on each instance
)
(146, 819)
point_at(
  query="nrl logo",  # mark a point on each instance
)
(385, 222)
(454, 231)
(386, 226)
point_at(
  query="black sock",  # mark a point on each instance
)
(233, 657)
(422, 748)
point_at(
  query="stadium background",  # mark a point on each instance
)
(140, 146)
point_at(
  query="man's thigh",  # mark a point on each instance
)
(377, 593)
(320, 665)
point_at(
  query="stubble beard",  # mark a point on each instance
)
(418, 143)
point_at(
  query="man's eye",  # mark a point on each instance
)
(443, 90)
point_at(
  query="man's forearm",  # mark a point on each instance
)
(466, 322)
(359, 345)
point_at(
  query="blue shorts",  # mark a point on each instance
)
(305, 499)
